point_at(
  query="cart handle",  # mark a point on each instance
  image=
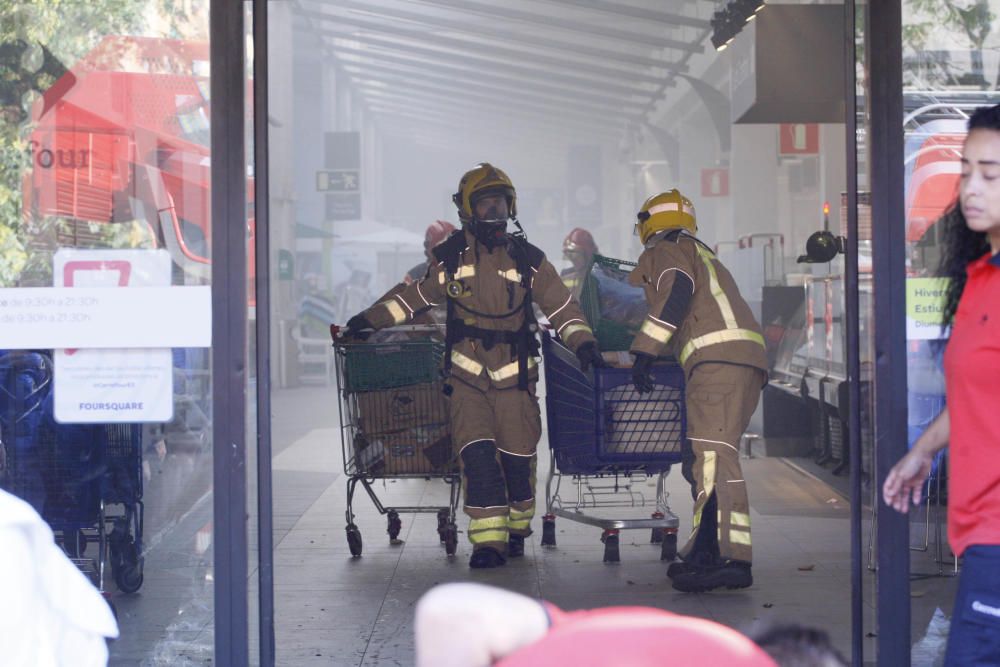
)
(337, 331)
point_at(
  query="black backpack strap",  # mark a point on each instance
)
(449, 252)
(527, 258)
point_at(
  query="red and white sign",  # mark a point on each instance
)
(715, 182)
(112, 385)
(798, 139)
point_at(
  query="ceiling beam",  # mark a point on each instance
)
(490, 91)
(631, 11)
(445, 96)
(500, 34)
(512, 85)
(491, 53)
(505, 115)
(497, 10)
(483, 66)
(396, 120)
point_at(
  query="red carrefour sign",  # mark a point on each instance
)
(798, 139)
(715, 182)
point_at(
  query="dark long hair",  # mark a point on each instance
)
(961, 245)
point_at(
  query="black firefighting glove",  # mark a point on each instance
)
(589, 355)
(359, 327)
(642, 376)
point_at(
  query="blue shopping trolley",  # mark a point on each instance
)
(71, 473)
(609, 440)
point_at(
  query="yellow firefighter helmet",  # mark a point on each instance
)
(667, 210)
(479, 181)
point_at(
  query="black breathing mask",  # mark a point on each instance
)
(491, 229)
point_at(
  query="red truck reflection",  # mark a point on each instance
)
(124, 136)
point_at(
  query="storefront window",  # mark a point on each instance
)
(950, 67)
(107, 418)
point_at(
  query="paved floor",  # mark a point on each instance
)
(332, 609)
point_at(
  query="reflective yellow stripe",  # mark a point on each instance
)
(510, 274)
(656, 332)
(716, 337)
(508, 371)
(398, 316)
(739, 519)
(520, 520)
(739, 537)
(488, 536)
(708, 486)
(574, 328)
(570, 282)
(463, 272)
(713, 283)
(499, 521)
(468, 365)
(708, 473)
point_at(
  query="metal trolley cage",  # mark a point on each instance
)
(610, 440)
(72, 473)
(395, 423)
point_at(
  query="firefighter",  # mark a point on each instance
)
(489, 280)
(697, 314)
(579, 248)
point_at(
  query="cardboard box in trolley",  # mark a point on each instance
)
(407, 429)
(419, 451)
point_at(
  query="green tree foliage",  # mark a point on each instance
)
(972, 19)
(39, 41)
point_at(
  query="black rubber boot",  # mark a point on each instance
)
(486, 557)
(729, 574)
(695, 561)
(679, 567)
(515, 547)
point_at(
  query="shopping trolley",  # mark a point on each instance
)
(610, 440)
(395, 423)
(72, 473)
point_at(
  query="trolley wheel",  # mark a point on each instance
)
(129, 578)
(354, 540)
(395, 525)
(74, 543)
(656, 535)
(668, 546)
(444, 514)
(548, 531)
(127, 567)
(610, 539)
(451, 539)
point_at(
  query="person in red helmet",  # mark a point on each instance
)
(436, 232)
(579, 248)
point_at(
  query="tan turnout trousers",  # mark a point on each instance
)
(721, 398)
(503, 426)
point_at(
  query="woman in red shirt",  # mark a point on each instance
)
(970, 422)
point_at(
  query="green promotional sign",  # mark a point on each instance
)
(925, 307)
